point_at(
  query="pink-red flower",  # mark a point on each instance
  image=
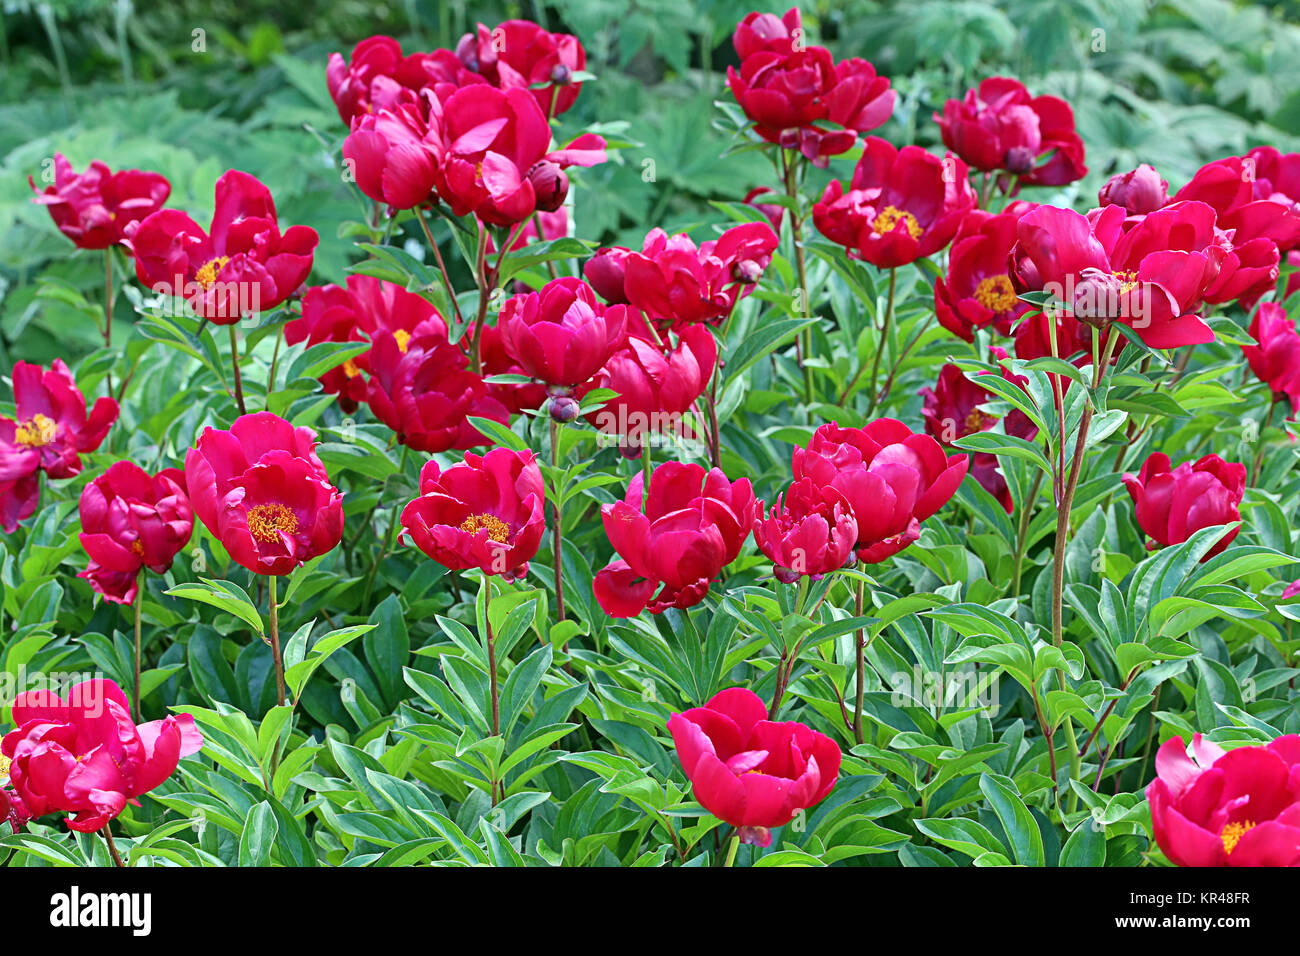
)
(96, 209)
(999, 126)
(977, 290)
(674, 539)
(1235, 808)
(810, 531)
(379, 77)
(86, 757)
(486, 512)
(264, 494)
(606, 272)
(676, 282)
(1276, 357)
(519, 54)
(901, 205)
(132, 520)
(892, 479)
(1139, 191)
(50, 432)
(749, 771)
(242, 265)
(561, 335)
(395, 154)
(1171, 505)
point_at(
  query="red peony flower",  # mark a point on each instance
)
(1235, 808)
(485, 512)
(86, 756)
(1000, 127)
(1172, 505)
(901, 205)
(242, 266)
(774, 212)
(977, 290)
(809, 532)
(561, 335)
(656, 385)
(496, 360)
(129, 520)
(1246, 202)
(395, 154)
(50, 433)
(798, 96)
(519, 54)
(1139, 191)
(96, 209)
(674, 281)
(263, 492)
(379, 77)
(749, 771)
(674, 540)
(606, 272)
(1276, 357)
(892, 479)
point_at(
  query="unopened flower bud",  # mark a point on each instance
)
(561, 75)
(747, 271)
(550, 185)
(1019, 160)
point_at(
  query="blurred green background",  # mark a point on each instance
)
(190, 89)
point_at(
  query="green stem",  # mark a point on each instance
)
(859, 603)
(558, 538)
(108, 310)
(276, 658)
(885, 329)
(112, 847)
(732, 846)
(234, 364)
(139, 602)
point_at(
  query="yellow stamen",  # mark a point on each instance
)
(1233, 832)
(350, 369)
(207, 273)
(996, 293)
(977, 421)
(265, 522)
(403, 340)
(38, 432)
(137, 546)
(4, 766)
(889, 218)
(497, 529)
(1127, 281)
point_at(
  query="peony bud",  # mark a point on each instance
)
(550, 185)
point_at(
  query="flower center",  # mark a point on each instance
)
(350, 368)
(1127, 281)
(137, 548)
(497, 529)
(996, 293)
(1233, 832)
(403, 340)
(890, 217)
(4, 766)
(978, 421)
(36, 433)
(207, 273)
(265, 522)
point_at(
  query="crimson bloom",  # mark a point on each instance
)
(978, 290)
(96, 209)
(1245, 199)
(999, 126)
(263, 492)
(561, 335)
(673, 540)
(379, 77)
(1235, 808)
(49, 433)
(395, 154)
(241, 266)
(606, 272)
(892, 479)
(809, 532)
(901, 205)
(1139, 191)
(129, 520)
(1152, 277)
(797, 95)
(85, 756)
(673, 280)
(519, 54)
(486, 512)
(656, 385)
(749, 771)
(1276, 357)
(1171, 505)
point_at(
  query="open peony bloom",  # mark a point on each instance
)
(901, 205)
(892, 479)
(86, 757)
(394, 154)
(49, 433)
(673, 540)
(810, 531)
(96, 209)
(797, 95)
(999, 126)
(749, 771)
(486, 512)
(1234, 808)
(359, 312)
(1172, 505)
(978, 290)
(242, 265)
(263, 492)
(1276, 357)
(606, 272)
(379, 77)
(561, 335)
(677, 283)
(129, 520)
(519, 54)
